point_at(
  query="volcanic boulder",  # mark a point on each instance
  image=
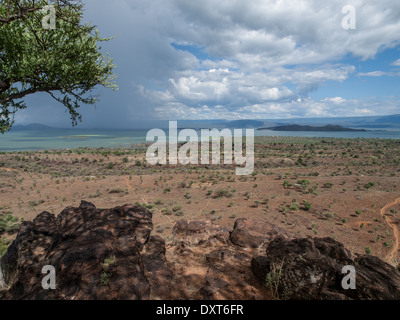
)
(96, 253)
(195, 231)
(254, 233)
(311, 268)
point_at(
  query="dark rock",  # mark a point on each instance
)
(196, 231)
(213, 284)
(261, 267)
(218, 255)
(252, 233)
(376, 279)
(96, 254)
(311, 268)
(110, 254)
(156, 269)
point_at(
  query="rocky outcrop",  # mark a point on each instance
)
(311, 268)
(111, 254)
(253, 233)
(208, 266)
(97, 254)
(199, 230)
(155, 266)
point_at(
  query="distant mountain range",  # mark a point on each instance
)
(389, 122)
(327, 128)
(32, 127)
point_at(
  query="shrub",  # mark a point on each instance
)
(166, 211)
(36, 203)
(176, 208)
(9, 224)
(188, 195)
(273, 279)
(303, 183)
(287, 184)
(307, 205)
(294, 206)
(167, 189)
(221, 194)
(369, 185)
(3, 247)
(116, 190)
(110, 166)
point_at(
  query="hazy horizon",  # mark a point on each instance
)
(151, 123)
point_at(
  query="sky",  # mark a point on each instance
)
(237, 59)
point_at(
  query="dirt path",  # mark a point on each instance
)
(392, 256)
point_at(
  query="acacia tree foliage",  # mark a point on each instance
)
(65, 62)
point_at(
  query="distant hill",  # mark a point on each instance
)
(32, 127)
(372, 122)
(327, 128)
(388, 122)
(244, 124)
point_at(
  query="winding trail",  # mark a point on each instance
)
(392, 256)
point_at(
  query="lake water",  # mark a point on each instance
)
(69, 139)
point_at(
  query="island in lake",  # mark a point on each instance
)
(296, 127)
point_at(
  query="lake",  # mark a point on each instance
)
(75, 138)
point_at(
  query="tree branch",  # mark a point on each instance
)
(22, 94)
(22, 14)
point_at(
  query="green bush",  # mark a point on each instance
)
(294, 206)
(369, 185)
(3, 247)
(9, 224)
(307, 205)
(221, 194)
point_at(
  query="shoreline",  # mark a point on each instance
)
(145, 144)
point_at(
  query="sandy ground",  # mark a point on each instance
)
(351, 185)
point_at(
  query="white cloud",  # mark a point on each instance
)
(257, 41)
(396, 63)
(336, 100)
(376, 74)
